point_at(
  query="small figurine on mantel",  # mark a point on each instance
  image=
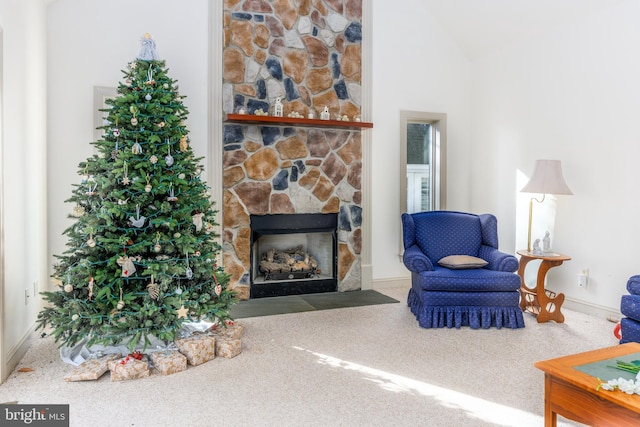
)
(546, 243)
(536, 247)
(278, 107)
(325, 113)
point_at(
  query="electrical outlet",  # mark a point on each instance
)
(583, 278)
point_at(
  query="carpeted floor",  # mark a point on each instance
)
(310, 302)
(358, 366)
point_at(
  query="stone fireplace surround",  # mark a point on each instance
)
(307, 52)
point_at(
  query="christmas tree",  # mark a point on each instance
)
(141, 257)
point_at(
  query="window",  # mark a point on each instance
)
(422, 157)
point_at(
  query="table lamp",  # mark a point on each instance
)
(546, 179)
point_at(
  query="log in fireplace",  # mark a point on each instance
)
(293, 254)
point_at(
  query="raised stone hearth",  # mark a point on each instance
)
(308, 53)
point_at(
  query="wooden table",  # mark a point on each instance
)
(575, 395)
(540, 301)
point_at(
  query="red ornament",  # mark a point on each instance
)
(136, 355)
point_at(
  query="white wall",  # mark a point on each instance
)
(571, 94)
(416, 67)
(23, 94)
(89, 43)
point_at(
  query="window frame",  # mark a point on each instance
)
(438, 122)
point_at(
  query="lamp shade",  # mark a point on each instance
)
(547, 179)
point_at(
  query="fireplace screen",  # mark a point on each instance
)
(293, 254)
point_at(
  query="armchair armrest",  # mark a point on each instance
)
(498, 261)
(415, 260)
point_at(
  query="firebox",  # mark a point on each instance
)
(293, 254)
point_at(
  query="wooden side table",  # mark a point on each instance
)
(539, 301)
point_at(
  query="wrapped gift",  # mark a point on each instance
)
(232, 331)
(129, 368)
(91, 369)
(168, 362)
(197, 348)
(228, 347)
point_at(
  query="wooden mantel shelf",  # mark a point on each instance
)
(290, 121)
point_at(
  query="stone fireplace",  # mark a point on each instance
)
(308, 53)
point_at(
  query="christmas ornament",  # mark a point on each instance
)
(166, 86)
(148, 97)
(150, 80)
(120, 305)
(116, 132)
(68, 287)
(148, 187)
(157, 247)
(128, 268)
(114, 153)
(153, 159)
(183, 143)
(168, 158)
(153, 290)
(182, 312)
(161, 124)
(91, 243)
(139, 220)
(188, 272)
(125, 178)
(90, 287)
(197, 220)
(134, 121)
(92, 190)
(182, 176)
(218, 289)
(75, 317)
(172, 197)
(122, 202)
(137, 148)
(78, 211)
(178, 291)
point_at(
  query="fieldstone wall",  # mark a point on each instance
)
(308, 53)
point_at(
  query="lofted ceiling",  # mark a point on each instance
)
(481, 26)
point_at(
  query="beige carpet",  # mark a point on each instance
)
(360, 366)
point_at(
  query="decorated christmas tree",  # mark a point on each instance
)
(141, 257)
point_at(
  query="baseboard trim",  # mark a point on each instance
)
(18, 351)
(595, 310)
(391, 282)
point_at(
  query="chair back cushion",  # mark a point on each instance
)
(442, 233)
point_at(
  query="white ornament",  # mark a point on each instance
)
(197, 221)
(325, 113)
(153, 159)
(139, 220)
(68, 288)
(277, 108)
(128, 268)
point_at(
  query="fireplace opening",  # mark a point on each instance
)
(293, 254)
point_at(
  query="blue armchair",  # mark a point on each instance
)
(630, 307)
(480, 297)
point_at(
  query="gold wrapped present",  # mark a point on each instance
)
(91, 369)
(198, 348)
(228, 348)
(168, 362)
(232, 331)
(129, 368)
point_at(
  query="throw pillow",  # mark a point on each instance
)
(460, 262)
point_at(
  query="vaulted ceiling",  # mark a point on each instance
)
(481, 26)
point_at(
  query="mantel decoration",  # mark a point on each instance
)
(141, 263)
